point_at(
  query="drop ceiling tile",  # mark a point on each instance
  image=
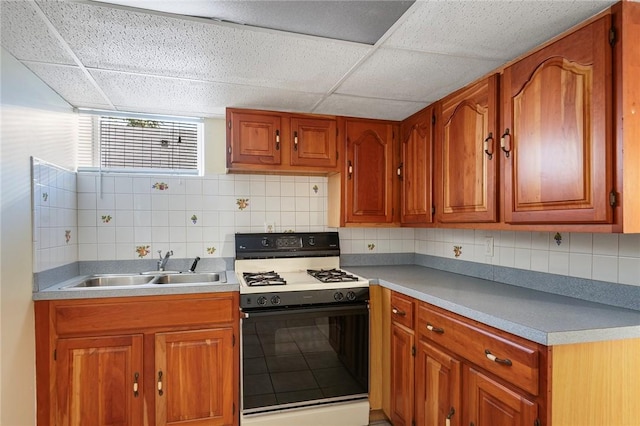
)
(188, 97)
(108, 38)
(70, 83)
(413, 76)
(353, 106)
(25, 35)
(489, 29)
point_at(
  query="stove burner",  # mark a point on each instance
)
(331, 275)
(263, 278)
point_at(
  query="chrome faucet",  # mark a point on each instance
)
(163, 260)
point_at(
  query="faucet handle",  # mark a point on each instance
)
(160, 254)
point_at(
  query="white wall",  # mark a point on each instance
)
(35, 121)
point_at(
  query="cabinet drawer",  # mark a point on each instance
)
(402, 309)
(509, 357)
(138, 313)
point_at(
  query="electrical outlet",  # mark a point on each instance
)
(488, 246)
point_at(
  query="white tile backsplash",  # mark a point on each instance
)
(109, 217)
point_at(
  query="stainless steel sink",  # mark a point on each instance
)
(114, 280)
(188, 278)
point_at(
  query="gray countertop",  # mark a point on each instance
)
(542, 317)
(59, 291)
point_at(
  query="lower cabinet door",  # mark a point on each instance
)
(437, 387)
(491, 404)
(401, 375)
(194, 373)
(99, 382)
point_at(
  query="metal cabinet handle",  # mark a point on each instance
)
(295, 141)
(485, 145)
(438, 330)
(397, 311)
(447, 420)
(349, 169)
(277, 140)
(492, 357)
(136, 376)
(503, 142)
(399, 171)
(160, 391)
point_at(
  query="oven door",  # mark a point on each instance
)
(302, 357)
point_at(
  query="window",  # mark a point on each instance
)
(137, 143)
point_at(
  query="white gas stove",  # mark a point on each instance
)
(305, 332)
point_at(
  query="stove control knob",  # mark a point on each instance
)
(312, 241)
(351, 296)
(275, 300)
(265, 242)
(338, 296)
(262, 300)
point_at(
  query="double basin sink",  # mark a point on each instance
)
(145, 279)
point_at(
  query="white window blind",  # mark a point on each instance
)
(138, 144)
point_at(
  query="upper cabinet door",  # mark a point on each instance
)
(415, 170)
(313, 142)
(253, 138)
(467, 161)
(557, 129)
(369, 178)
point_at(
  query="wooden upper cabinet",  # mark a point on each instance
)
(557, 122)
(253, 138)
(416, 167)
(466, 175)
(314, 142)
(268, 141)
(99, 381)
(195, 381)
(369, 171)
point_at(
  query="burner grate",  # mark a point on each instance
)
(331, 275)
(254, 279)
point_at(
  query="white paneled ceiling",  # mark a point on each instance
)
(184, 58)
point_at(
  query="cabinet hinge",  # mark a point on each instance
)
(413, 422)
(433, 209)
(613, 198)
(233, 343)
(612, 36)
(337, 155)
(234, 409)
(229, 124)
(536, 422)
(413, 351)
(55, 354)
(433, 119)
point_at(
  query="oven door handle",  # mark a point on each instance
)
(296, 311)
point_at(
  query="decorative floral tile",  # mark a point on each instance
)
(242, 203)
(315, 189)
(67, 236)
(457, 251)
(106, 218)
(143, 251)
(558, 238)
(45, 196)
(194, 219)
(371, 246)
(211, 250)
(160, 186)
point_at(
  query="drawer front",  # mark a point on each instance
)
(82, 317)
(513, 360)
(402, 309)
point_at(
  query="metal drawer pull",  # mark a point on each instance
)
(494, 358)
(503, 143)
(398, 312)
(136, 376)
(160, 391)
(485, 145)
(447, 421)
(277, 140)
(295, 141)
(438, 330)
